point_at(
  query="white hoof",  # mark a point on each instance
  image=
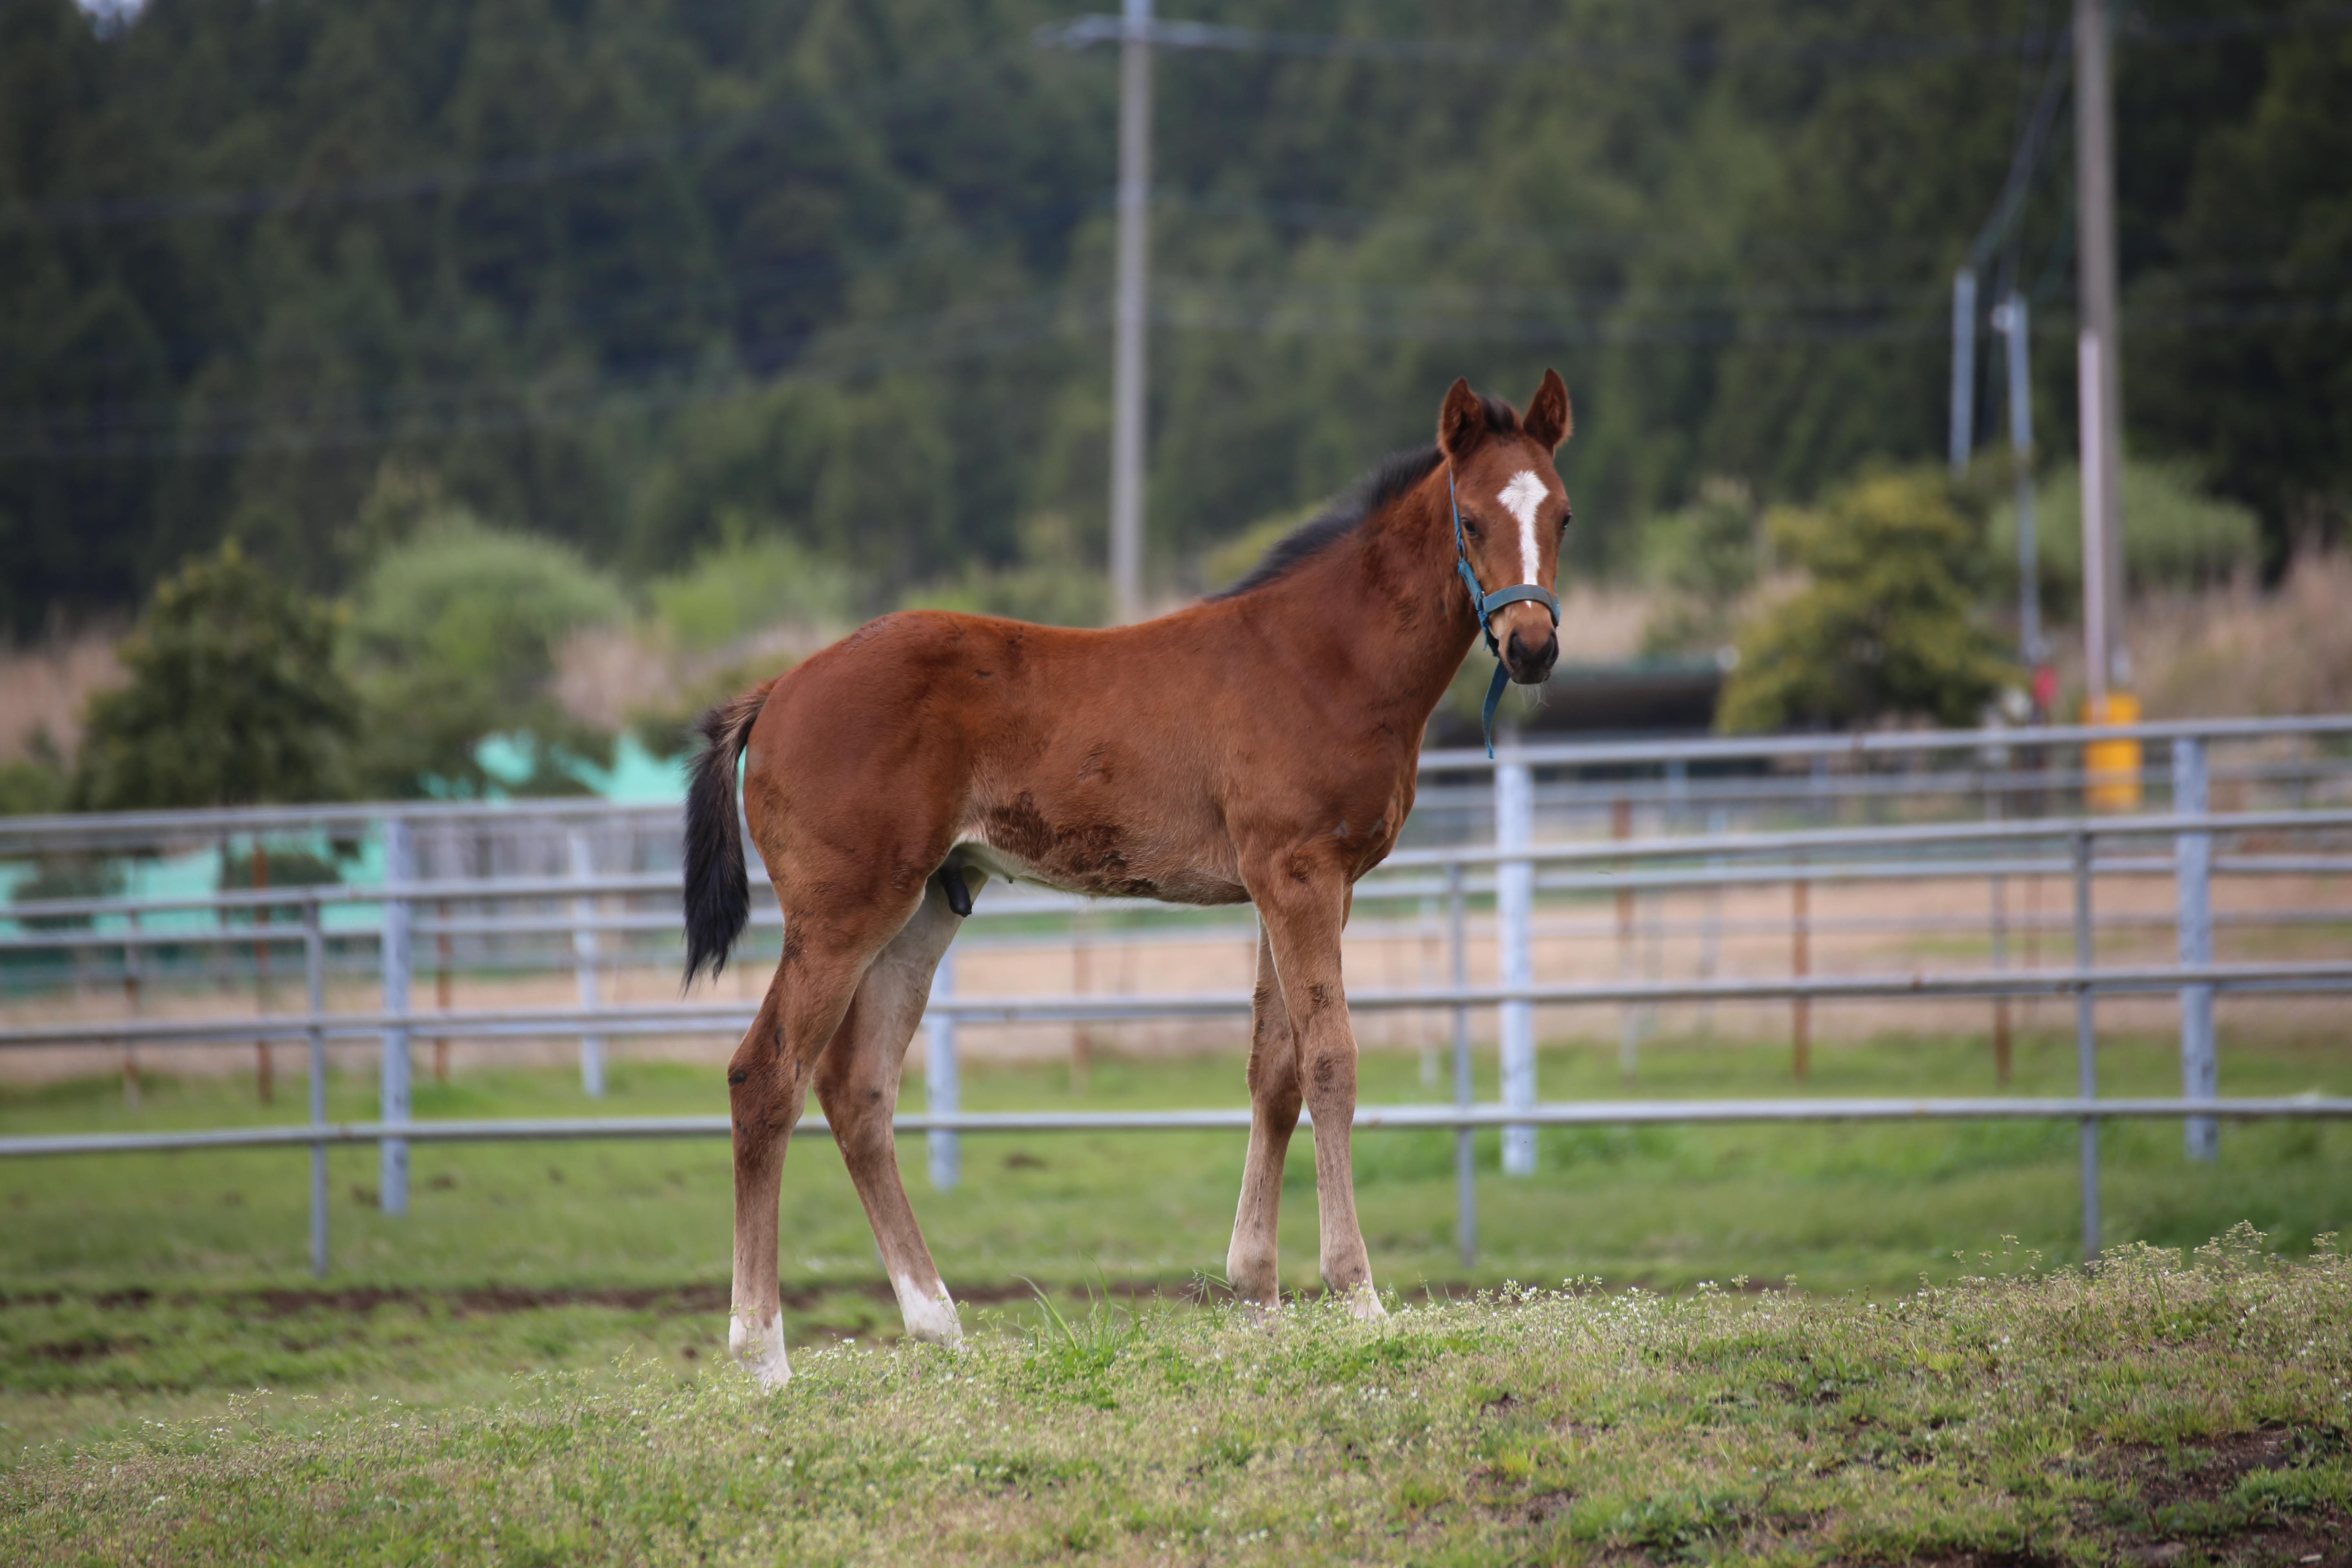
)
(759, 1352)
(1364, 1304)
(931, 1318)
(1254, 1281)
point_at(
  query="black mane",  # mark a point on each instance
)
(1397, 473)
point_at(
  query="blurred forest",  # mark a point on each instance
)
(667, 280)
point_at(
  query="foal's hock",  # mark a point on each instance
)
(1257, 746)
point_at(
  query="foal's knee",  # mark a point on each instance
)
(1326, 1071)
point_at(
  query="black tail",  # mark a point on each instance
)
(718, 892)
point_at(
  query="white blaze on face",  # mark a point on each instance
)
(1521, 498)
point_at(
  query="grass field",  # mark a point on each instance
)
(2157, 1411)
(146, 1300)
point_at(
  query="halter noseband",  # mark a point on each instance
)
(1484, 604)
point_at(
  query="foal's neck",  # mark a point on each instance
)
(1383, 604)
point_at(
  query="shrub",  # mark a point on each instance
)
(747, 585)
(1702, 560)
(2175, 535)
(69, 876)
(1884, 625)
(233, 698)
(455, 640)
(38, 783)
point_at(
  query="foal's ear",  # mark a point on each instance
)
(1462, 422)
(1549, 420)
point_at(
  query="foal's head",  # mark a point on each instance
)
(1514, 509)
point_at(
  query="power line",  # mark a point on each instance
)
(1086, 31)
(2031, 141)
(729, 291)
(900, 95)
(732, 291)
(429, 413)
(423, 414)
(877, 100)
(1556, 237)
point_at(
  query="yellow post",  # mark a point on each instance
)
(2112, 768)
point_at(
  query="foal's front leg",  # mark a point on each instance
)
(1304, 906)
(1252, 1266)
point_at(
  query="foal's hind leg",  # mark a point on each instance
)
(1252, 1266)
(857, 1084)
(767, 1085)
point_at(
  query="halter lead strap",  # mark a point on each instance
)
(1484, 604)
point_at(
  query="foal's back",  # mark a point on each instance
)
(1097, 761)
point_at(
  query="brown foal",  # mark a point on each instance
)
(1260, 745)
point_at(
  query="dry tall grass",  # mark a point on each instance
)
(2239, 650)
(43, 689)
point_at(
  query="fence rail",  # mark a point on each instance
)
(733, 1017)
(1236, 1119)
(544, 900)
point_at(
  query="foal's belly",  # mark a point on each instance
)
(1103, 872)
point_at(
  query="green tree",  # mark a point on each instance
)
(455, 639)
(233, 698)
(618, 272)
(2266, 401)
(1885, 625)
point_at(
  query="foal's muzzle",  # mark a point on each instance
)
(1529, 652)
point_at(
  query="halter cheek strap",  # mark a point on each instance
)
(1484, 604)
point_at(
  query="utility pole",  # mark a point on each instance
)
(1130, 329)
(1963, 368)
(2009, 318)
(2107, 664)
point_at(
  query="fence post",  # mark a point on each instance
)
(941, 1085)
(1514, 935)
(391, 1084)
(1465, 1167)
(1424, 926)
(1801, 964)
(134, 967)
(1082, 981)
(1710, 943)
(2086, 1044)
(314, 974)
(584, 962)
(441, 986)
(2193, 882)
(265, 1071)
(1629, 1019)
(2003, 1050)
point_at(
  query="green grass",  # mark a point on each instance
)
(2203, 1406)
(160, 1288)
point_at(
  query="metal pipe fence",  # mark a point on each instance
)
(519, 886)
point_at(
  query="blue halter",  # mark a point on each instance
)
(1484, 604)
